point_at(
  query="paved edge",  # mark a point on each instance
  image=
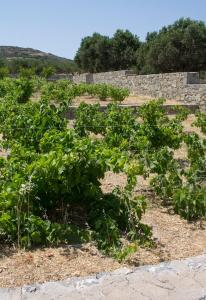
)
(184, 279)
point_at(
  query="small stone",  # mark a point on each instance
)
(31, 289)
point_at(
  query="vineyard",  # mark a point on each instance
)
(50, 177)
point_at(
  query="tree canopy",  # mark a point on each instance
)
(99, 53)
(94, 53)
(177, 47)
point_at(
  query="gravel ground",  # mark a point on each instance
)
(131, 100)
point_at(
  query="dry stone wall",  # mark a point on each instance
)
(185, 87)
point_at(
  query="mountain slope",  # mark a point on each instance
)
(15, 57)
(12, 52)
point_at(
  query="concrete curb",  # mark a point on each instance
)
(184, 280)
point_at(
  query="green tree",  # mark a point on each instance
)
(99, 53)
(124, 46)
(177, 47)
(94, 54)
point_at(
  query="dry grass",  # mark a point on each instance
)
(47, 264)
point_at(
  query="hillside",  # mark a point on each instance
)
(15, 57)
(12, 52)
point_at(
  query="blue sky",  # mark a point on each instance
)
(57, 26)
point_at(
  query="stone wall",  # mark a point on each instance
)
(61, 76)
(185, 87)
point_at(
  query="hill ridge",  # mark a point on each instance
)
(15, 56)
(16, 52)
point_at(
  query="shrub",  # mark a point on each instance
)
(23, 90)
(19, 90)
(53, 174)
(102, 91)
(26, 73)
(118, 94)
(4, 72)
(89, 119)
(47, 72)
(190, 202)
(28, 123)
(201, 122)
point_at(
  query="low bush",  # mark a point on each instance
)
(63, 90)
(19, 90)
(50, 182)
(118, 94)
(52, 174)
(4, 72)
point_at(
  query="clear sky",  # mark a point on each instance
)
(57, 26)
